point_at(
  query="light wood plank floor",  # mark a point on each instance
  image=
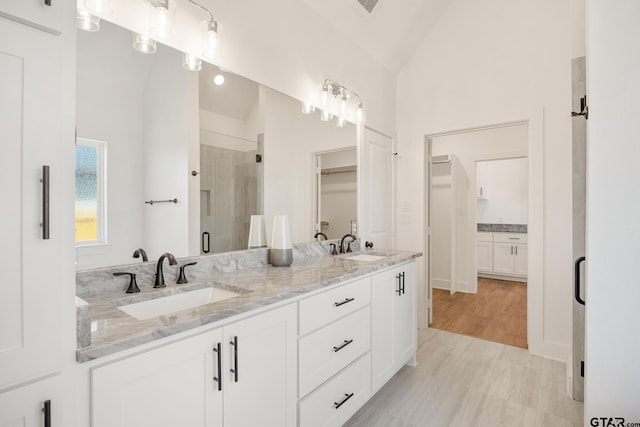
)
(463, 381)
(498, 312)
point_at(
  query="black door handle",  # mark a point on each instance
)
(577, 280)
(47, 413)
(206, 234)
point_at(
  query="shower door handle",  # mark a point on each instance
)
(577, 280)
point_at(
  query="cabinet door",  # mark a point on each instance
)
(485, 257)
(521, 259)
(383, 287)
(405, 327)
(260, 370)
(23, 407)
(36, 125)
(503, 258)
(170, 386)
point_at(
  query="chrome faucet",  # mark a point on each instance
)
(159, 275)
(353, 239)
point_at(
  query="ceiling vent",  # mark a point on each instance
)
(369, 5)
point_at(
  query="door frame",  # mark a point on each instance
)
(535, 285)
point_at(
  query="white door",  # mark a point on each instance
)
(36, 126)
(375, 199)
(259, 370)
(503, 258)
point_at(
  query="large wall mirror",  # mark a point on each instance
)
(149, 130)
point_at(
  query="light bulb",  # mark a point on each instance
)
(143, 43)
(191, 62)
(325, 96)
(326, 116)
(218, 80)
(86, 21)
(100, 7)
(308, 108)
(211, 41)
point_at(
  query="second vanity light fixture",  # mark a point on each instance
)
(337, 100)
(161, 21)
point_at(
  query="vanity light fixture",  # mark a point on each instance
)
(211, 42)
(143, 43)
(99, 7)
(86, 21)
(161, 14)
(350, 104)
(191, 62)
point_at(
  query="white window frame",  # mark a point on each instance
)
(101, 193)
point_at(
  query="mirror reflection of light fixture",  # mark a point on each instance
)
(341, 122)
(143, 43)
(86, 21)
(191, 62)
(218, 80)
(100, 7)
(308, 108)
(326, 116)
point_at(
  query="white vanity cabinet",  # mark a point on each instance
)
(179, 384)
(36, 297)
(394, 339)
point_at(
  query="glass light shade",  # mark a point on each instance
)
(143, 43)
(343, 104)
(308, 108)
(211, 40)
(100, 7)
(326, 116)
(161, 17)
(191, 62)
(360, 113)
(86, 21)
(341, 122)
(324, 100)
(218, 80)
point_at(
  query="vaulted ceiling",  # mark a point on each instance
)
(391, 33)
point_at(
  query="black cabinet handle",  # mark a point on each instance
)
(399, 290)
(338, 304)
(47, 2)
(402, 278)
(218, 379)
(206, 235)
(47, 413)
(577, 280)
(341, 346)
(45, 202)
(347, 396)
(234, 370)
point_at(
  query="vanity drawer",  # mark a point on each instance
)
(326, 307)
(325, 352)
(319, 408)
(510, 237)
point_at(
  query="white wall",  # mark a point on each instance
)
(170, 119)
(613, 208)
(507, 185)
(290, 139)
(479, 67)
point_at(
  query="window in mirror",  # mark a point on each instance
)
(90, 212)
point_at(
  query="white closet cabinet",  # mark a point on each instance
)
(393, 300)
(37, 128)
(179, 384)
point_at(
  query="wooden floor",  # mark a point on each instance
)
(461, 381)
(498, 312)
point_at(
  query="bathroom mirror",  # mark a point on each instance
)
(222, 152)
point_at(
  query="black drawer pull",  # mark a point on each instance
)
(338, 304)
(343, 401)
(218, 379)
(47, 413)
(45, 202)
(234, 370)
(341, 346)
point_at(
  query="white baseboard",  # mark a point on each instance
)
(503, 277)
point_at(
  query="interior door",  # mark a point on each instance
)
(375, 178)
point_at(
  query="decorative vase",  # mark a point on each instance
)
(281, 250)
(257, 232)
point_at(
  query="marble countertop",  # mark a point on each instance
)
(503, 228)
(113, 330)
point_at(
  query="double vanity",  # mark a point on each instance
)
(244, 343)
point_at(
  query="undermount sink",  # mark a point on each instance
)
(366, 257)
(177, 302)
